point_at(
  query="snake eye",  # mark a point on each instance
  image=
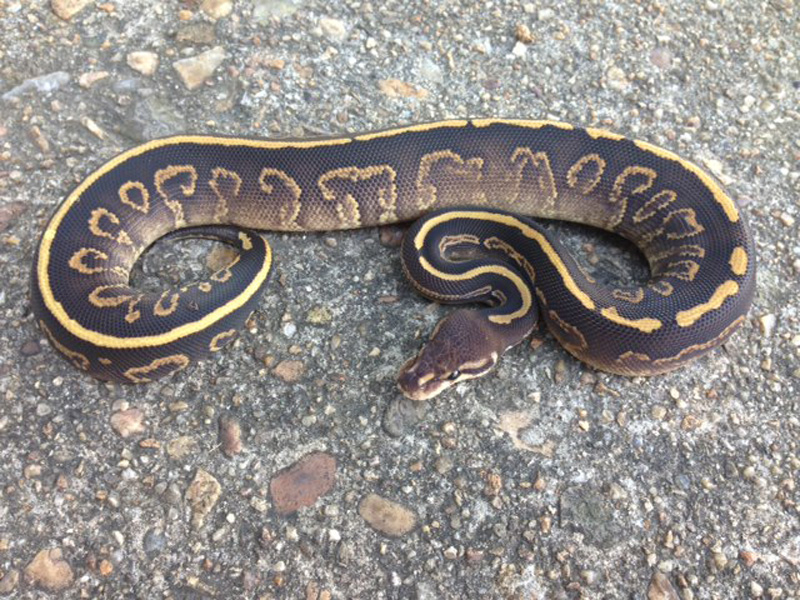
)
(454, 375)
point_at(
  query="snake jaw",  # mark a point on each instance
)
(457, 351)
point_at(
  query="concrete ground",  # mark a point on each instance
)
(289, 467)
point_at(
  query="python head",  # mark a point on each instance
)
(463, 346)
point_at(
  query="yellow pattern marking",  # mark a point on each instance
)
(519, 283)
(143, 206)
(685, 318)
(738, 261)
(219, 341)
(139, 374)
(468, 172)
(94, 226)
(681, 269)
(526, 230)
(348, 208)
(78, 359)
(539, 165)
(581, 164)
(218, 174)
(721, 197)
(602, 133)
(162, 176)
(247, 243)
(160, 310)
(77, 261)
(289, 210)
(634, 296)
(645, 325)
(620, 196)
(658, 202)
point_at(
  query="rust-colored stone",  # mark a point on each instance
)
(301, 484)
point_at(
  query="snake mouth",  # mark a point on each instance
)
(420, 387)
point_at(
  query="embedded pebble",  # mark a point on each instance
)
(217, 9)
(302, 483)
(143, 61)
(333, 29)
(230, 436)
(9, 582)
(49, 570)
(289, 371)
(388, 517)
(66, 9)
(128, 422)
(196, 70)
(661, 588)
(182, 447)
(201, 496)
(767, 323)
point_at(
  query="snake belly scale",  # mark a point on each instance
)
(473, 186)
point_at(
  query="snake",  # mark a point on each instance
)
(475, 190)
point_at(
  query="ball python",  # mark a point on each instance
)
(471, 186)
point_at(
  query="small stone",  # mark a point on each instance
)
(128, 422)
(216, 9)
(30, 348)
(333, 29)
(661, 588)
(202, 495)
(443, 465)
(87, 80)
(451, 553)
(105, 568)
(661, 57)
(748, 557)
(9, 582)
(9, 213)
(523, 33)
(756, 590)
(388, 517)
(617, 80)
(319, 315)
(303, 483)
(181, 447)
(402, 415)
(230, 436)
(545, 14)
(94, 128)
(519, 50)
(289, 371)
(66, 9)
(195, 70)
(143, 61)
(767, 323)
(49, 570)
(394, 88)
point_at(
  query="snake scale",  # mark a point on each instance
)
(468, 183)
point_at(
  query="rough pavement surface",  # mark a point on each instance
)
(545, 479)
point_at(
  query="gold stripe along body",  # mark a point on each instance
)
(470, 181)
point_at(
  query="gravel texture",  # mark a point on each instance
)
(543, 480)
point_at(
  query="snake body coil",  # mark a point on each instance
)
(692, 234)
